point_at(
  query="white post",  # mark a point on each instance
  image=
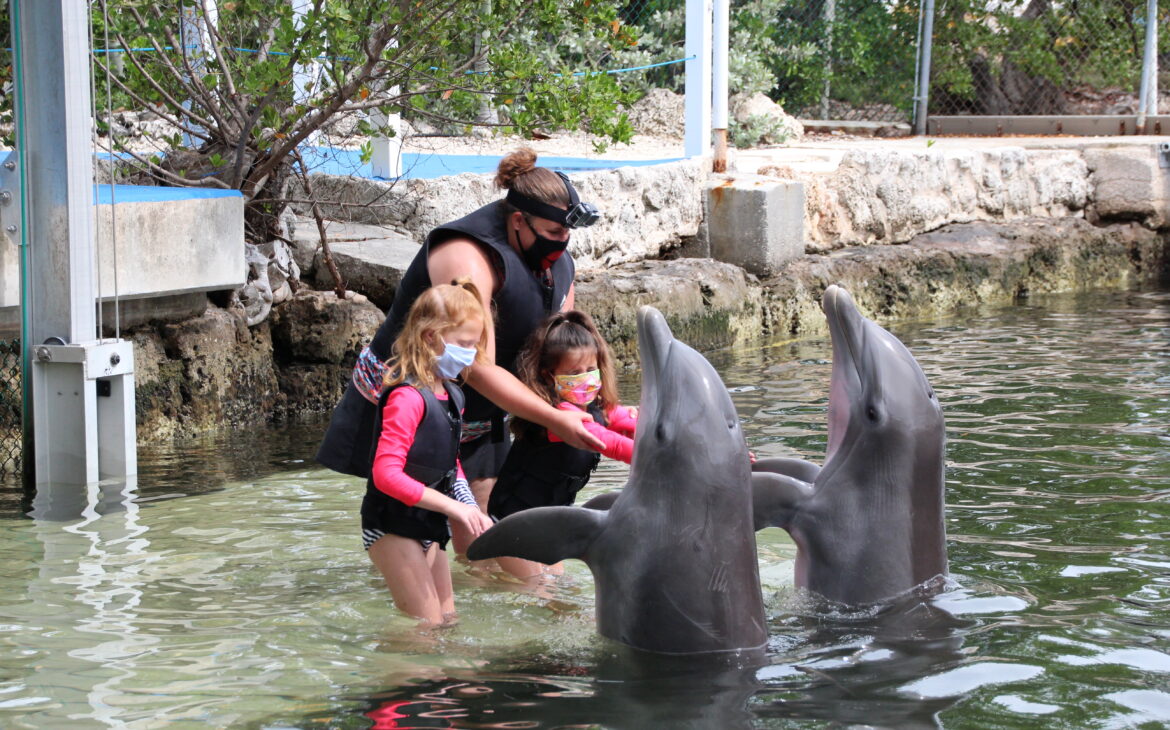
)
(305, 74)
(386, 160)
(197, 48)
(82, 387)
(721, 34)
(1148, 96)
(387, 150)
(698, 85)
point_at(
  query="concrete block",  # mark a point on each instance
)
(373, 267)
(155, 241)
(755, 223)
(152, 242)
(1130, 184)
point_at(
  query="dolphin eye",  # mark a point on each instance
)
(871, 413)
(660, 432)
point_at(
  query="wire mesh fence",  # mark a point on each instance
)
(1036, 57)
(10, 410)
(839, 59)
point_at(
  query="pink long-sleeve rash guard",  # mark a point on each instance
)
(400, 419)
(617, 445)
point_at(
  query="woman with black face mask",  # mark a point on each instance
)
(514, 251)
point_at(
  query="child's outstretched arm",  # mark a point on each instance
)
(615, 445)
(623, 419)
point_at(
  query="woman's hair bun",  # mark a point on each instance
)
(519, 162)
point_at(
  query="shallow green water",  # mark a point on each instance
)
(228, 589)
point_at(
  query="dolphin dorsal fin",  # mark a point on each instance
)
(776, 498)
(544, 534)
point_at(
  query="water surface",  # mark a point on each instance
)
(228, 588)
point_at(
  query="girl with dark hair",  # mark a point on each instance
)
(567, 363)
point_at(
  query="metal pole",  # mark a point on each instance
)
(830, 21)
(82, 390)
(925, 40)
(698, 84)
(1148, 95)
(721, 35)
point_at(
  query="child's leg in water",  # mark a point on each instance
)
(419, 582)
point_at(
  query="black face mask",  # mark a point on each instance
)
(543, 251)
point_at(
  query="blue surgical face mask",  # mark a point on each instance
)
(453, 360)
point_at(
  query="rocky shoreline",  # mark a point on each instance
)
(909, 227)
(214, 372)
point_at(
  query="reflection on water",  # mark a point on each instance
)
(227, 588)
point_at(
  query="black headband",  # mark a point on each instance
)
(577, 215)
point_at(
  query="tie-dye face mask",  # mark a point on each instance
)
(580, 389)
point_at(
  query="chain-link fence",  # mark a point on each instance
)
(10, 409)
(1036, 57)
(858, 59)
(823, 59)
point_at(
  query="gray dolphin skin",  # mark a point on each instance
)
(868, 525)
(674, 557)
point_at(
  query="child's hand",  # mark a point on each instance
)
(633, 412)
(470, 517)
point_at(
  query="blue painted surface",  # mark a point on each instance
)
(333, 161)
(155, 194)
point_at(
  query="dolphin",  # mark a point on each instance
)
(868, 525)
(674, 557)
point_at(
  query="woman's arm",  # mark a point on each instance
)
(506, 391)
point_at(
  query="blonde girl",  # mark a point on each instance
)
(416, 489)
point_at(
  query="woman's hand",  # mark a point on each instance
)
(570, 427)
(469, 517)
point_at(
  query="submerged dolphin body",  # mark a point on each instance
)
(869, 524)
(674, 557)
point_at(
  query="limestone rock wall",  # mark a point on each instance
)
(648, 209)
(890, 196)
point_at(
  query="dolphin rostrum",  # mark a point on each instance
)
(868, 525)
(674, 557)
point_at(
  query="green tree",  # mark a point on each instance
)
(437, 59)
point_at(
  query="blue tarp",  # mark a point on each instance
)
(425, 165)
(334, 161)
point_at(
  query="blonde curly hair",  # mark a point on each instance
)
(437, 310)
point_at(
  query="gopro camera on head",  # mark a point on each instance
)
(581, 215)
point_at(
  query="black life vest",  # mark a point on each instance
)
(521, 302)
(430, 460)
(542, 473)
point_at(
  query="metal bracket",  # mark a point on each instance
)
(10, 218)
(1164, 154)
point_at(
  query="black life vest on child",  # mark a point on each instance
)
(430, 460)
(542, 473)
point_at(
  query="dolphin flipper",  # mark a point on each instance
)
(805, 471)
(602, 501)
(545, 534)
(776, 498)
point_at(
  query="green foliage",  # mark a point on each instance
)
(438, 59)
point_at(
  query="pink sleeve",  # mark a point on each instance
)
(621, 420)
(617, 446)
(400, 418)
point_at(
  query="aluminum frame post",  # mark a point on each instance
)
(721, 33)
(82, 388)
(697, 140)
(925, 43)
